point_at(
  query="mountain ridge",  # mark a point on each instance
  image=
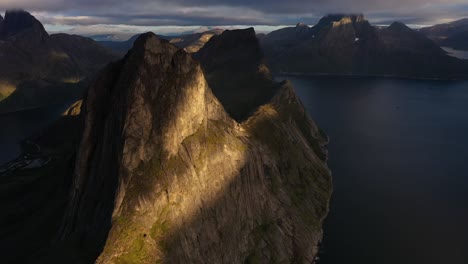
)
(191, 42)
(350, 45)
(453, 34)
(42, 67)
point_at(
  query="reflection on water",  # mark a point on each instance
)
(461, 54)
(398, 154)
(19, 125)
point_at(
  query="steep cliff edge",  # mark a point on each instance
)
(173, 178)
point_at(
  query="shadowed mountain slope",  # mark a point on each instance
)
(234, 67)
(453, 34)
(35, 63)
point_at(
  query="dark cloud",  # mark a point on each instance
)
(237, 12)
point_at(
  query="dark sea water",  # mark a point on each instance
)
(461, 54)
(16, 126)
(399, 156)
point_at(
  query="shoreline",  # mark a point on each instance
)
(364, 76)
(24, 109)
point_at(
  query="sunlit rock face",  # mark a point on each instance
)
(164, 174)
(6, 89)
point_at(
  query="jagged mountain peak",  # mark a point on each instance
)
(399, 26)
(159, 153)
(237, 50)
(149, 42)
(17, 21)
(343, 18)
(233, 63)
(155, 97)
(247, 34)
(300, 24)
(161, 171)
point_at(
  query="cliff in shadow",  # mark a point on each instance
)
(234, 67)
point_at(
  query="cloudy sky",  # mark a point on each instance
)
(179, 16)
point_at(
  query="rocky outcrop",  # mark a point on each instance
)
(349, 45)
(234, 66)
(164, 174)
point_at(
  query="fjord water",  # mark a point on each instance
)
(17, 126)
(399, 157)
(461, 54)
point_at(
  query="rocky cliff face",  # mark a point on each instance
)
(234, 67)
(348, 44)
(164, 174)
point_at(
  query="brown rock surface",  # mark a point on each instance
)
(175, 179)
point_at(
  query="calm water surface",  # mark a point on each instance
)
(14, 127)
(399, 156)
(461, 54)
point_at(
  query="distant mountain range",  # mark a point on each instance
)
(36, 68)
(350, 45)
(453, 34)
